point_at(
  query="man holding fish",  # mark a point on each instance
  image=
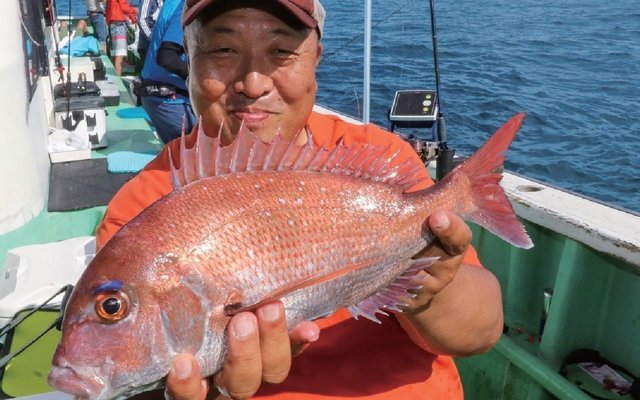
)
(252, 67)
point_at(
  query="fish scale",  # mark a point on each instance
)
(253, 222)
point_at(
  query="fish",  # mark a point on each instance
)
(250, 222)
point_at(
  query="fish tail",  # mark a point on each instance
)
(490, 206)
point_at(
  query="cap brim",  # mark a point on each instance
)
(192, 12)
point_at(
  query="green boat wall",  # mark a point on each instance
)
(587, 255)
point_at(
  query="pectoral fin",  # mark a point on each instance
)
(391, 296)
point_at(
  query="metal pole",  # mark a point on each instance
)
(367, 62)
(444, 162)
(442, 133)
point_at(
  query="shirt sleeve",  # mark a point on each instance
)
(151, 184)
(147, 9)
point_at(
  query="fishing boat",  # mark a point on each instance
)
(572, 313)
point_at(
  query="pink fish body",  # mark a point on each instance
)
(319, 229)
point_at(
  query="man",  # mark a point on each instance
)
(149, 10)
(255, 61)
(164, 92)
(117, 13)
(95, 9)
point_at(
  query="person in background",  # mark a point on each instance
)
(149, 10)
(164, 93)
(254, 62)
(95, 9)
(117, 12)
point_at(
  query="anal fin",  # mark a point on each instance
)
(391, 296)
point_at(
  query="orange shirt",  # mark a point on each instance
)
(118, 11)
(352, 358)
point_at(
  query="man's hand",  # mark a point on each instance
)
(259, 350)
(453, 237)
(458, 310)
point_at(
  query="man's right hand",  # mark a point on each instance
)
(259, 350)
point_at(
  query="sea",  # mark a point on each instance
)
(572, 65)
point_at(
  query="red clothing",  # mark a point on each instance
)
(118, 11)
(352, 358)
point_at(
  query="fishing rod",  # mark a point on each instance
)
(444, 162)
(68, 83)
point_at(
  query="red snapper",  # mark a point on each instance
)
(251, 222)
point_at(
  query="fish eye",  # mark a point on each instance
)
(112, 306)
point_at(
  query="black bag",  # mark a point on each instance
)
(149, 88)
(76, 89)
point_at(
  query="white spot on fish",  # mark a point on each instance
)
(298, 201)
(251, 253)
(257, 186)
(282, 201)
(365, 203)
(204, 247)
(165, 258)
(409, 210)
(291, 222)
(323, 189)
(302, 183)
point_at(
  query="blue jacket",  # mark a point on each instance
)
(168, 28)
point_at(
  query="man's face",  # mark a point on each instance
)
(249, 65)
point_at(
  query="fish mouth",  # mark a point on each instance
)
(69, 381)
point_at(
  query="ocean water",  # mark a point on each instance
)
(572, 65)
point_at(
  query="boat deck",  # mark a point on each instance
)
(127, 130)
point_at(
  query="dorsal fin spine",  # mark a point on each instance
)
(252, 156)
(175, 177)
(205, 153)
(377, 171)
(235, 160)
(346, 163)
(216, 158)
(304, 158)
(364, 163)
(332, 160)
(285, 157)
(375, 165)
(267, 165)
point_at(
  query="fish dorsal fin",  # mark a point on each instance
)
(248, 153)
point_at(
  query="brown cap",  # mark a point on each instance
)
(309, 12)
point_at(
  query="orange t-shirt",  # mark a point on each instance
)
(352, 358)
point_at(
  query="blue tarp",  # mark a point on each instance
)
(81, 45)
(128, 161)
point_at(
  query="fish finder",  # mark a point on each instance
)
(414, 109)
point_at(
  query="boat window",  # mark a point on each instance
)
(32, 14)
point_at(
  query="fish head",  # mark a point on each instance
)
(122, 328)
(108, 340)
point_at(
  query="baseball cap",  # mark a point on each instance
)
(310, 12)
